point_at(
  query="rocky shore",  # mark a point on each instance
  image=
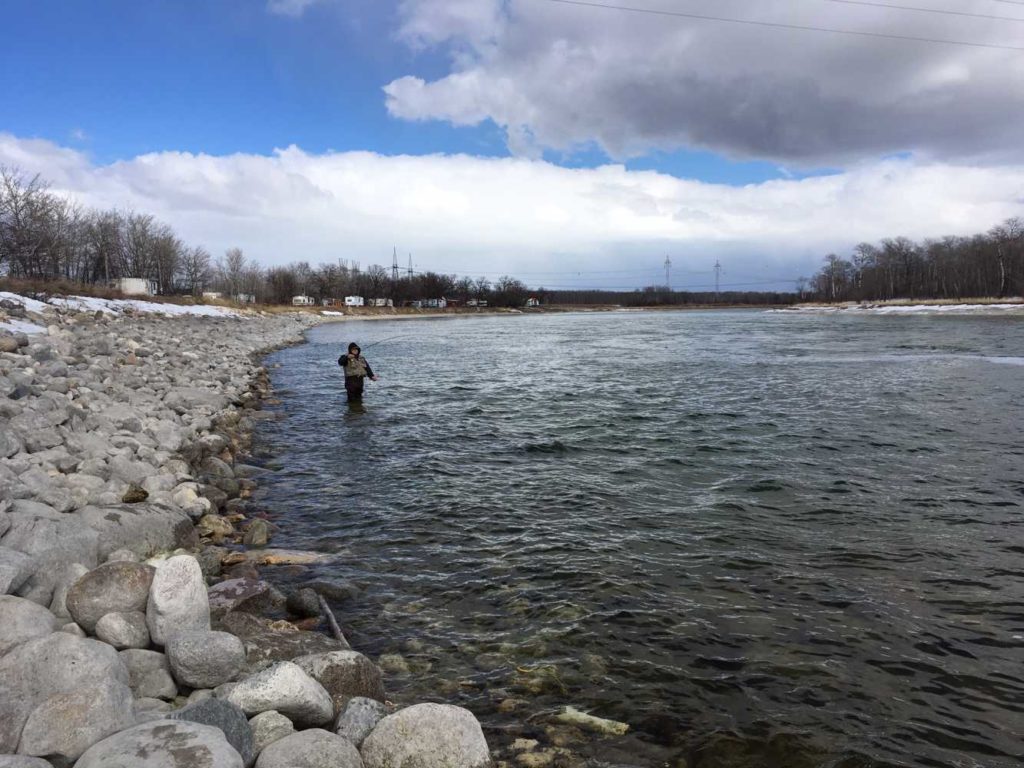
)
(136, 628)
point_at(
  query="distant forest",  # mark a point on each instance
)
(984, 265)
(47, 237)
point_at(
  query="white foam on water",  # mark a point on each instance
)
(1006, 360)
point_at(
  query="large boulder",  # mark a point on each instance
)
(22, 620)
(344, 674)
(264, 644)
(65, 725)
(358, 718)
(59, 604)
(118, 587)
(224, 715)
(144, 528)
(177, 599)
(268, 727)
(22, 761)
(163, 744)
(314, 748)
(203, 658)
(427, 736)
(15, 568)
(250, 595)
(284, 688)
(59, 663)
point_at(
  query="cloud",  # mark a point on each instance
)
(561, 76)
(531, 218)
(294, 8)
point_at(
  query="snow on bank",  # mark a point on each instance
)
(906, 309)
(20, 326)
(115, 306)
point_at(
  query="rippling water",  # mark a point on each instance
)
(760, 539)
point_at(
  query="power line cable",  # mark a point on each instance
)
(782, 25)
(917, 9)
(1010, 2)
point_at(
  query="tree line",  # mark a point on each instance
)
(982, 265)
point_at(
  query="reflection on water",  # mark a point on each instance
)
(759, 539)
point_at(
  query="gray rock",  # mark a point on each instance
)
(188, 399)
(59, 603)
(268, 727)
(10, 444)
(257, 534)
(148, 709)
(123, 630)
(143, 528)
(264, 644)
(149, 674)
(65, 725)
(38, 669)
(344, 674)
(225, 716)
(177, 599)
(249, 595)
(314, 748)
(204, 659)
(284, 688)
(22, 620)
(15, 568)
(73, 629)
(163, 744)
(427, 736)
(200, 694)
(21, 761)
(123, 555)
(118, 587)
(359, 717)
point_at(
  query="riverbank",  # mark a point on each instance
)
(136, 624)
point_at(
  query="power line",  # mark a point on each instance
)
(781, 25)
(917, 9)
(1010, 2)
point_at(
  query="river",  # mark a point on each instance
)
(764, 539)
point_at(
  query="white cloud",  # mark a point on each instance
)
(559, 76)
(475, 215)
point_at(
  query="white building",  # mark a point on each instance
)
(354, 301)
(245, 298)
(380, 303)
(532, 302)
(135, 286)
(212, 295)
(303, 301)
(436, 303)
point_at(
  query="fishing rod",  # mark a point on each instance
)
(381, 341)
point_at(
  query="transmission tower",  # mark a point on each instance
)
(394, 265)
(668, 268)
(410, 267)
(718, 274)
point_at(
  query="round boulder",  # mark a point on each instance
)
(427, 736)
(177, 599)
(268, 727)
(110, 588)
(284, 688)
(124, 630)
(163, 744)
(203, 658)
(359, 717)
(314, 748)
(22, 620)
(344, 674)
(226, 716)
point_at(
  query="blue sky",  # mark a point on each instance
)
(119, 79)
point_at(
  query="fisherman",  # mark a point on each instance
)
(356, 369)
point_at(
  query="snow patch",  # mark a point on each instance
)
(116, 306)
(30, 305)
(20, 326)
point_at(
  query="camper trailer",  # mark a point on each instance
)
(135, 286)
(303, 301)
(212, 295)
(354, 301)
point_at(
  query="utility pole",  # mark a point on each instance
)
(668, 267)
(394, 265)
(410, 266)
(718, 274)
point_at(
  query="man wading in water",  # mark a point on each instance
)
(356, 369)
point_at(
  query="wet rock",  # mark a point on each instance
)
(135, 494)
(203, 658)
(248, 595)
(123, 630)
(268, 727)
(394, 664)
(265, 644)
(163, 744)
(257, 534)
(358, 718)
(344, 674)
(110, 588)
(335, 591)
(215, 527)
(225, 716)
(314, 748)
(303, 603)
(65, 725)
(22, 620)
(427, 736)
(285, 688)
(177, 599)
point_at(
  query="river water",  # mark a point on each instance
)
(761, 539)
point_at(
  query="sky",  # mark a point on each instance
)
(565, 142)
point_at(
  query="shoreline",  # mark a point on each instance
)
(182, 435)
